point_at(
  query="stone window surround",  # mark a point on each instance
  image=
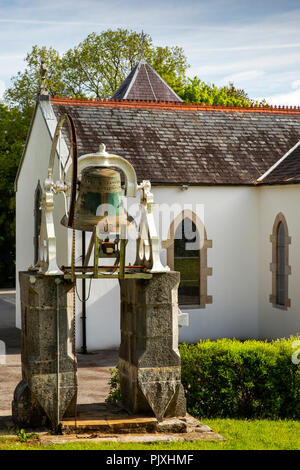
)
(273, 266)
(204, 245)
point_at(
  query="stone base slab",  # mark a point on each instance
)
(103, 419)
(120, 427)
(132, 428)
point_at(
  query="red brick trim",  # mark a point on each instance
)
(172, 105)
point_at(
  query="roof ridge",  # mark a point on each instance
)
(171, 104)
(277, 164)
(133, 72)
(149, 81)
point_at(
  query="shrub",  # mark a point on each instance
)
(114, 395)
(250, 379)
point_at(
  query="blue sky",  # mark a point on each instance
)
(255, 44)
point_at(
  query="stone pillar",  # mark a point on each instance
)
(48, 389)
(149, 360)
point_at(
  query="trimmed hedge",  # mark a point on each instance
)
(250, 379)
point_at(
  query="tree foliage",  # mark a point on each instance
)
(94, 68)
(197, 91)
(26, 85)
(13, 129)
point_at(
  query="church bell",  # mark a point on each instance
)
(98, 201)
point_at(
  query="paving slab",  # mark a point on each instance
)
(93, 377)
(7, 311)
(8, 295)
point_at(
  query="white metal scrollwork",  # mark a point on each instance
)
(148, 245)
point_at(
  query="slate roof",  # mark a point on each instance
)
(286, 171)
(172, 143)
(144, 83)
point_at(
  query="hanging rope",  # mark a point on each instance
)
(74, 319)
(72, 218)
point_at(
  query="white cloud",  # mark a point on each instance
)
(296, 84)
(291, 98)
(246, 76)
(58, 23)
(2, 89)
(259, 47)
(262, 62)
(9, 66)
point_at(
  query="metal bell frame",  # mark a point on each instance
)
(148, 244)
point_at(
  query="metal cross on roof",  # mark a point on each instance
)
(143, 35)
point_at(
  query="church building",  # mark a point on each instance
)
(232, 172)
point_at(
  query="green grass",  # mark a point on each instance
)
(240, 435)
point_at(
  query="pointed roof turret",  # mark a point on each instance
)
(144, 83)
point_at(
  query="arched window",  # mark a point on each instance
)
(280, 263)
(37, 220)
(281, 278)
(187, 253)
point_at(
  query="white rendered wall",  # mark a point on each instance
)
(230, 219)
(275, 322)
(102, 308)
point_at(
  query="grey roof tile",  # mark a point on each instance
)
(193, 146)
(144, 83)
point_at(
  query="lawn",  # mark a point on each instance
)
(239, 434)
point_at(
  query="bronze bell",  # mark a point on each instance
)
(99, 201)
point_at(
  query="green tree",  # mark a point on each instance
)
(94, 68)
(26, 85)
(197, 91)
(170, 64)
(13, 130)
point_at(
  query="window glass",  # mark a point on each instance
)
(187, 262)
(281, 262)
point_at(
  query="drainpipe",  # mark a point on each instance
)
(83, 317)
